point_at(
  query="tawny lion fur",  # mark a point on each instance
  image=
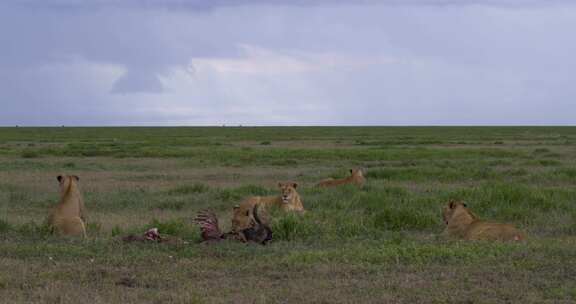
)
(461, 223)
(356, 178)
(288, 200)
(68, 217)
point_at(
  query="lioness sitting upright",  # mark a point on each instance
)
(356, 178)
(461, 223)
(67, 218)
(288, 200)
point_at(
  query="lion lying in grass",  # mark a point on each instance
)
(288, 200)
(68, 217)
(356, 178)
(461, 223)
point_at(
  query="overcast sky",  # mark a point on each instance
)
(287, 62)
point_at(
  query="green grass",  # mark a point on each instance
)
(379, 244)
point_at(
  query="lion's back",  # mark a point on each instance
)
(481, 230)
(72, 226)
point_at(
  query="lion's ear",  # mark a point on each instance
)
(452, 205)
(77, 178)
(295, 185)
(464, 204)
(59, 178)
(351, 171)
(280, 184)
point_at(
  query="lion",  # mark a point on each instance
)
(69, 216)
(257, 232)
(288, 200)
(461, 223)
(356, 178)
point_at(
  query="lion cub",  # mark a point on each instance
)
(356, 178)
(461, 223)
(67, 218)
(288, 200)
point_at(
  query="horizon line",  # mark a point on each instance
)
(284, 125)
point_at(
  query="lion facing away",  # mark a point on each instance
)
(288, 200)
(356, 178)
(461, 223)
(69, 215)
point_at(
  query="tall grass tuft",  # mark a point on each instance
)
(5, 226)
(29, 154)
(190, 189)
(292, 226)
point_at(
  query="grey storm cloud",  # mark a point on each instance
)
(108, 61)
(211, 4)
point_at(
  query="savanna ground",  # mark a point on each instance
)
(381, 244)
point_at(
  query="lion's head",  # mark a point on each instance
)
(288, 191)
(242, 218)
(66, 181)
(456, 208)
(356, 172)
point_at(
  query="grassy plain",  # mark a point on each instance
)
(381, 244)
